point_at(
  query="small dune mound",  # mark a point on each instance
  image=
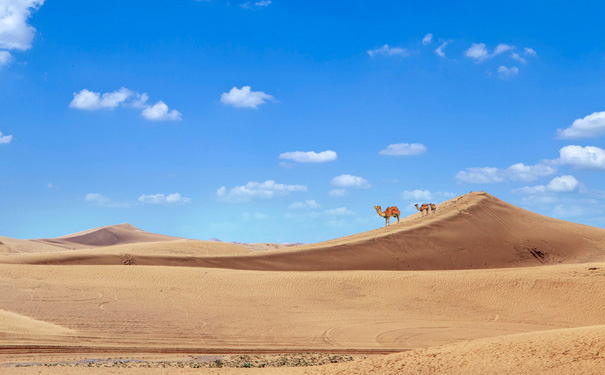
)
(105, 236)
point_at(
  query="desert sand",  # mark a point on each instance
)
(480, 287)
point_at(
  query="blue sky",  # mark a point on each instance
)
(287, 121)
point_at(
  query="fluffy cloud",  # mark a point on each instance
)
(388, 51)
(15, 33)
(439, 50)
(516, 172)
(505, 72)
(590, 126)
(252, 190)
(425, 195)
(501, 48)
(349, 181)
(160, 112)
(583, 157)
(90, 100)
(428, 38)
(245, 97)
(163, 199)
(309, 156)
(477, 51)
(561, 184)
(5, 58)
(404, 149)
(341, 211)
(5, 139)
(309, 203)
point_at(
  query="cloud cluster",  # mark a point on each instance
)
(309, 156)
(480, 53)
(582, 157)
(516, 172)
(401, 149)
(245, 97)
(256, 4)
(561, 184)
(385, 50)
(5, 139)
(589, 126)
(252, 190)
(505, 72)
(15, 32)
(90, 101)
(163, 199)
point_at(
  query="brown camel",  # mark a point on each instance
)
(433, 208)
(424, 207)
(388, 213)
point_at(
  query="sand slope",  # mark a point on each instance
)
(476, 230)
(105, 236)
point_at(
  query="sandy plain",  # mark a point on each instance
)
(480, 287)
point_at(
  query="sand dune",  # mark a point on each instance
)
(473, 231)
(105, 236)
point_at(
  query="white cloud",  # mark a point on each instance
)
(590, 126)
(561, 184)
(477, 51)
(582, 157)
(15, 33)
(309, 203)
(388, 51)
(341, 211)
(90, 101)
(160, 112)
(309, 156)
(404, 149)
(505, 72)
(425, 195)
(347, 180)
(245, 97)
(338, 192)
(501, 48)
(428, 38)
(529, 51)
(564, 183)
(515, 56)
(5, 139)
(516, 172)
(251, 190)
(257, 4)
(439, 50)
(163, 199)
(5, 58)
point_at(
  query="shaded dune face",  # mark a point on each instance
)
(105, 236)
(473, 231)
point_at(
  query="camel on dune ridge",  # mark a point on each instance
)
(424, 207)
(388, 213)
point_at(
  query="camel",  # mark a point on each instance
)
(388, 213)
(433, 208)
(422, 208)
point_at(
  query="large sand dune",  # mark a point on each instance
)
(477, 272)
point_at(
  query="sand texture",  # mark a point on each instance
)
(480, 287)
